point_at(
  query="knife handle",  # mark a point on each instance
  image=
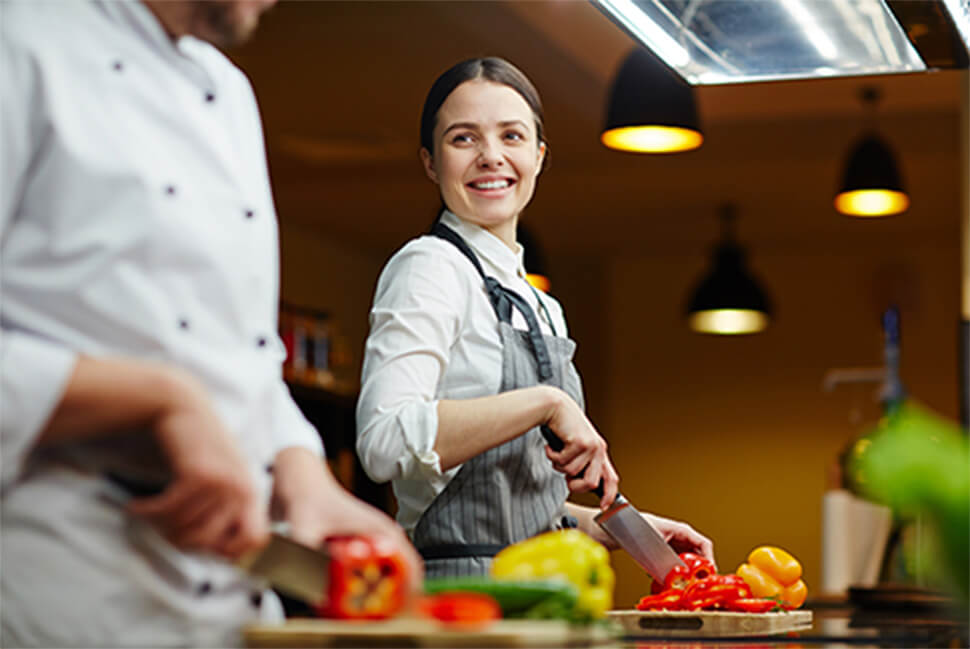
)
(135, 488)
(557, 445)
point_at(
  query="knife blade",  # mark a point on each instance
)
(295, 569)
(639, 538)
(632, 532)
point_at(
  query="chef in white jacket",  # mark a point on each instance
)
(138, 302)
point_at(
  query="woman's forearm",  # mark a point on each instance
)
(584, 519)
(468, 427)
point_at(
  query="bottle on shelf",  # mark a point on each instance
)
(307, 336)
(858, 535)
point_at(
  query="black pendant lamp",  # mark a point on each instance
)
(871, 183)
(728, 300)
(651, 108)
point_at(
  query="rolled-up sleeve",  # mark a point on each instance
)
(415, 320)
(33, 376)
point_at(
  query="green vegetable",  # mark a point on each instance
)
(919, 463)
(539, 599)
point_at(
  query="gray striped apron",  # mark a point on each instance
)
(510, 492)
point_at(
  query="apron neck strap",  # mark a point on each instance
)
(449, 235)
(503, 299)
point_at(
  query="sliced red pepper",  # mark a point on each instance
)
(665, 601)
(732, 580)
(720, 597)
(698, 567)
(752, 605)
(701, 603)
(461, 608)
(715, 591)
(717, 583)
(678, 578)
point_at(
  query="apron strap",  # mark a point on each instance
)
(503, 299)
(460, 550)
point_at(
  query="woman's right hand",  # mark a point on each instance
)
(212, 503)
(584, 458)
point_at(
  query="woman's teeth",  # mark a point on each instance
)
(491, 184)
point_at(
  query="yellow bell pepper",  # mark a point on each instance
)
(565, 554)
(773, 573)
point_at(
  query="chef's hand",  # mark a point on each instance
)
(682, 537)
(212, 503)
(306, 495)
(583, 452)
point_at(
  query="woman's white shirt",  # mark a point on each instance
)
(434, 335)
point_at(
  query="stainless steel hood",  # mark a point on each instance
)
(734, 41)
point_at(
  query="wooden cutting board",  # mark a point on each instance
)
(414, 632)
(702, 624)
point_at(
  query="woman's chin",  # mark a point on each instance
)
(490, 221)
(494, 213)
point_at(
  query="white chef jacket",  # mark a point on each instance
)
(135, 220)
(434, 335)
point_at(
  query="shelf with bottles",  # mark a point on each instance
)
(318, 360)
(320, 376)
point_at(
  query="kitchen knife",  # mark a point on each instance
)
(293, 568)
(629, 529)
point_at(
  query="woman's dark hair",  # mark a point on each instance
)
(490, 68)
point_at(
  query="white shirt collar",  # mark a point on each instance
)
(182, 52)
(138, 16)
(487, 246)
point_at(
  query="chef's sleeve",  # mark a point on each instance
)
(34, 372)
(415, 320)
(290, 427)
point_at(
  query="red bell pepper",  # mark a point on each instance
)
(752, 605)
(676, 579)
(697, 566)
(714, 592)
(668, 600)
(680, 576)
(368, 579)
(463, 608)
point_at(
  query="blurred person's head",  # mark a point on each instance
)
(224, 23)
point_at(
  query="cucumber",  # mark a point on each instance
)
(533, 598)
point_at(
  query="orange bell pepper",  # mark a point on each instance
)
(773, 573)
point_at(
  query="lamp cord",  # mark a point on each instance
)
(870, 96)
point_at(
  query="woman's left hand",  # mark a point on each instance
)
(682, 537)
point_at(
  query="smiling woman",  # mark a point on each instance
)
(482, 133)
(487, 155)
(465, 361)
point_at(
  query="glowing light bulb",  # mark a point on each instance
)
(871, 202)
(728, 321)
(652, 139)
